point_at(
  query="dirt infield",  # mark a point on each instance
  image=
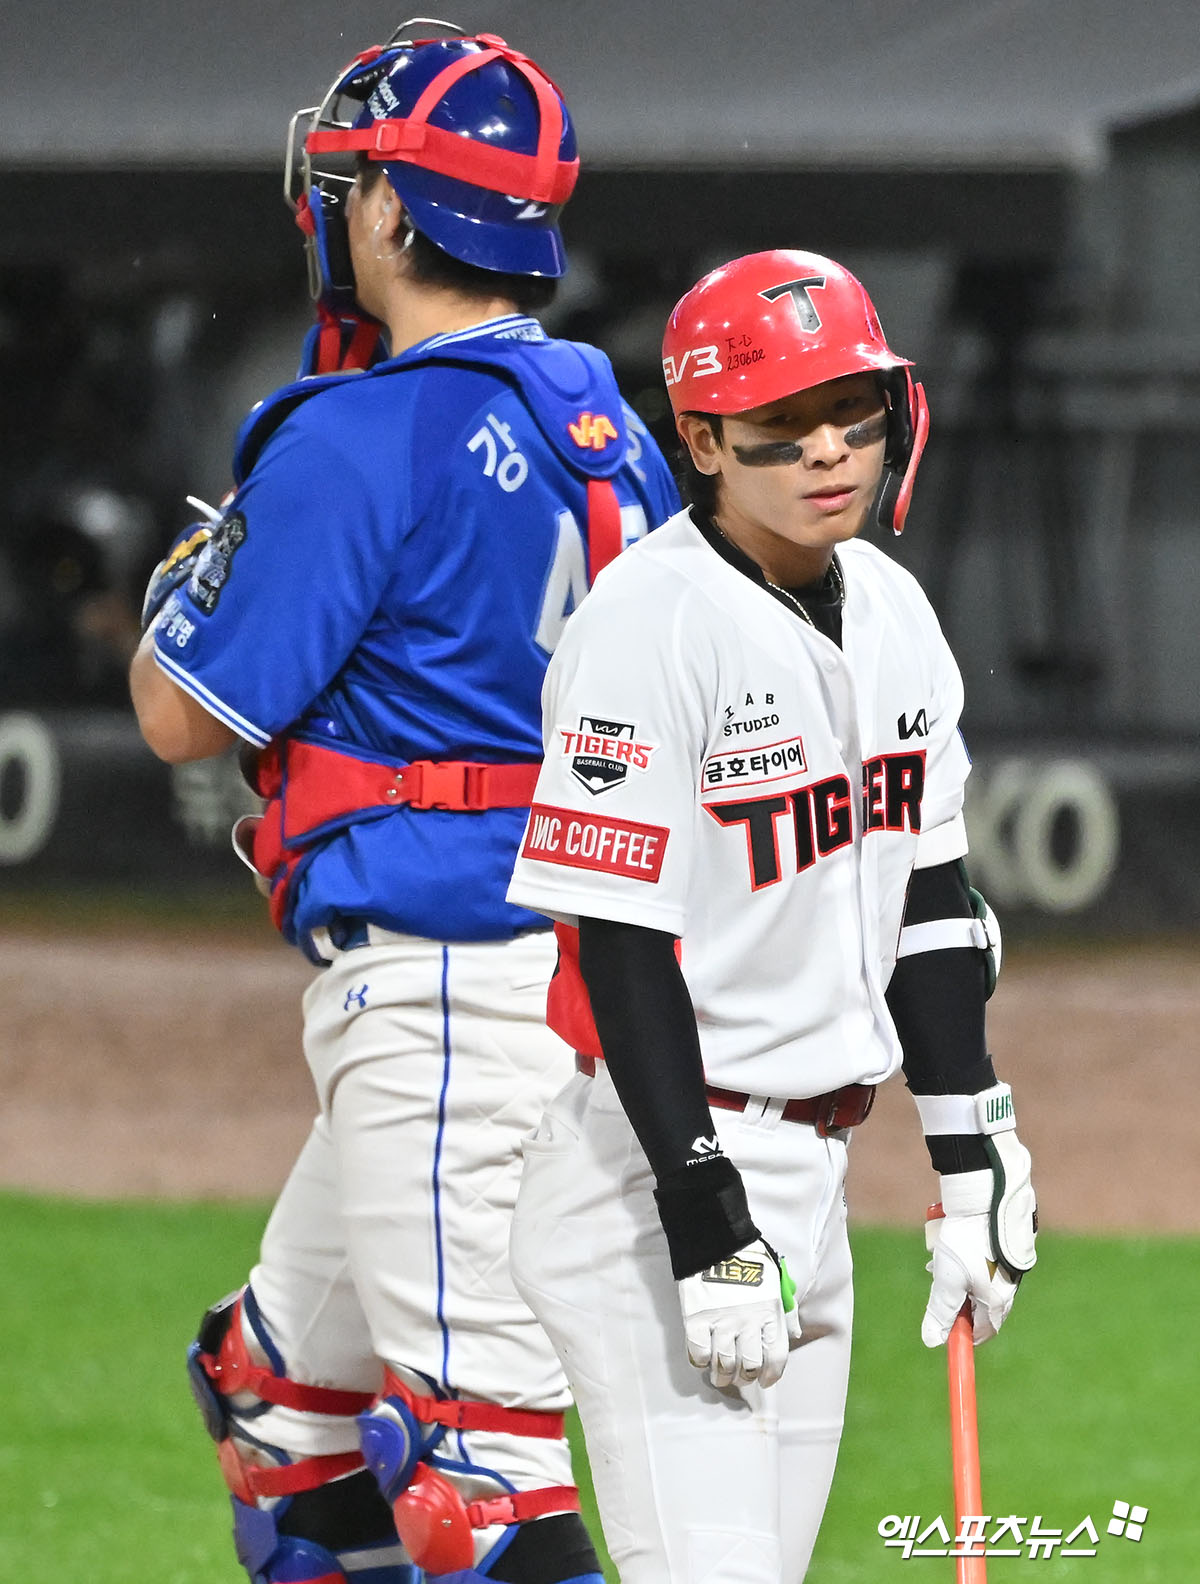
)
(137, 1064)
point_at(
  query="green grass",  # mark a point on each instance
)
(1089, 1395)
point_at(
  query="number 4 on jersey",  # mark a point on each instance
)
(567, 580)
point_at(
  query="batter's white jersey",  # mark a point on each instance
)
(718, 769)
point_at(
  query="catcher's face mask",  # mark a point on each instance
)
(472, 135)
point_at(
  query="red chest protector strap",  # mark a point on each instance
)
(309, 787)
(604, 525)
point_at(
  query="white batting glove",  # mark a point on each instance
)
(984, 1242)
(740, 1317)
(962, 1266)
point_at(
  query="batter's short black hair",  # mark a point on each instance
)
(699, 489)
(432, 266)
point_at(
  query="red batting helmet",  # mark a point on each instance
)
(767, 325)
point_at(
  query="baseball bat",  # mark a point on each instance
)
(964, 1431)
(964, 1438)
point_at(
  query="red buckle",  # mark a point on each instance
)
(520, 1506)
(393, 137)
(499, 1510)
(456, 1414)
(452, 785)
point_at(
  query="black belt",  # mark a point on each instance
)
(840, 1108)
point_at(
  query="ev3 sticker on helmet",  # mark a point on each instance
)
(798, 290)
(602, 752)
(703, 360)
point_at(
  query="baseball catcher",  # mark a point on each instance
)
(371, 615)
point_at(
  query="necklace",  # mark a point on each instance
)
(839, 588)
(835, 573)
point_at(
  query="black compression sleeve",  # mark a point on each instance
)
(647, 1029)
(937, 999)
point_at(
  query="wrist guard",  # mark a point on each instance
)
(1004, 1191)
(704, 1214)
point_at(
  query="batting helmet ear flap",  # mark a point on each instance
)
(908, 431)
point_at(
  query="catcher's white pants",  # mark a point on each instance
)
(695, 1485)
(390, 1239)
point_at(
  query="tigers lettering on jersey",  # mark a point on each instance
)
(602, 752)
(821, 823)
(581, 841)
(893, 786)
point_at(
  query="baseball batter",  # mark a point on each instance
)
(749, 827)
(372, 616)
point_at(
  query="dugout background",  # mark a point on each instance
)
(1019, 186)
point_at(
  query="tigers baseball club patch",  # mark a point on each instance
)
(602, 752)
(216, 562)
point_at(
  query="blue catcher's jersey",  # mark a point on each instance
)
(390, 579)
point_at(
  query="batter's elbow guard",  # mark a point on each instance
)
(980, 929)
(988, 939)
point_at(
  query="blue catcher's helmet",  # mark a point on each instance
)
(472, 135)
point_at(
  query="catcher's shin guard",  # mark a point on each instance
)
(307, 1520)
(278, 1545)
(452, 1538)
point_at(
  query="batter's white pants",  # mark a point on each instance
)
(390, 1239)
(695, 1485)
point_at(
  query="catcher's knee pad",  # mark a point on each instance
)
(290, 1514)
(441, 1531)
